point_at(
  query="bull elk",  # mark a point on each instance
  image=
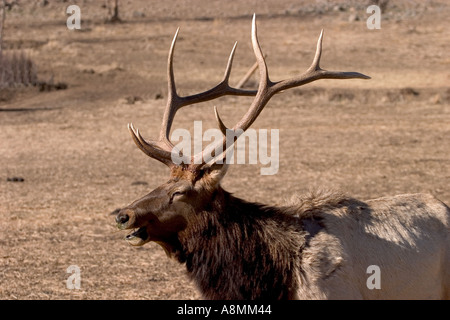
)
(318, 247)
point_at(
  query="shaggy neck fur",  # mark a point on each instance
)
(240, 250)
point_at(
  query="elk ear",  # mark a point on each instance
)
(213, 174)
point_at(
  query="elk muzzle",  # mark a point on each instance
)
(126, 219)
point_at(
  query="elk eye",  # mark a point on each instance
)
(176, 194)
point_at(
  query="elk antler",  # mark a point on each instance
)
(163, 148)
(267, 88)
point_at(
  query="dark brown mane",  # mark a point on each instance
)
(254, 244)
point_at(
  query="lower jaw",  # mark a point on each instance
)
(136, 242)
(138, 238)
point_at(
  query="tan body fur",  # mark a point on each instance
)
(407, 236)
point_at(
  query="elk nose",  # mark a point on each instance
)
(122, 217)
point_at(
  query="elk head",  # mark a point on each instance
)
(170, 208)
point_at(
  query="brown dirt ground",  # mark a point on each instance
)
(369, 138)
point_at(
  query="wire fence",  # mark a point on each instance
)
(16, 69)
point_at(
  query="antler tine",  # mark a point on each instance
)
(314, 72)
(263, 72)
(151, 149)
(226, 76)
(172, 96)
(316, 61)
(170, 76)
(220, 123)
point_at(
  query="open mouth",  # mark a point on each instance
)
(138, 237)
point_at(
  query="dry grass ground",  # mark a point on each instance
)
(384, 136)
